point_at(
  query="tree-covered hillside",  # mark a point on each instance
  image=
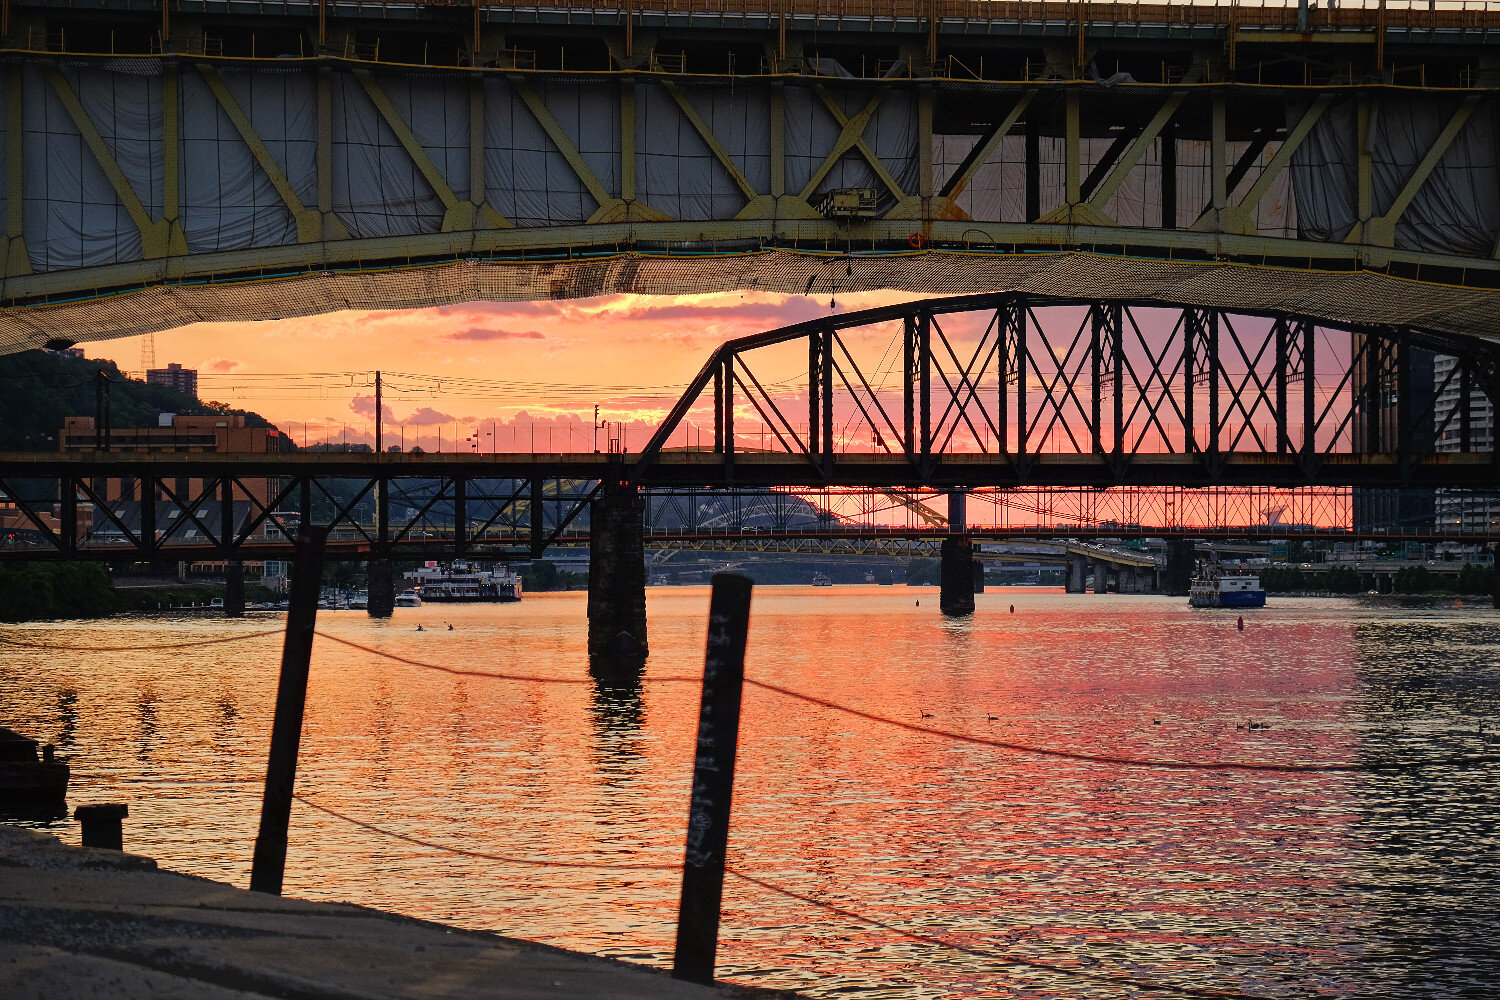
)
(39, 389)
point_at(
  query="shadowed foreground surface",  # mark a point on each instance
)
(77, 922)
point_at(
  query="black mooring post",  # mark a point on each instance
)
(269, 865)
(713, 780)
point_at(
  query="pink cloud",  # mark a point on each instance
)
(481, 333)
(220, 365)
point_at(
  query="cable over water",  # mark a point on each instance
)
(921, 938)
(142, 649)
(492, 675)
(1173, 765)
(482, 855)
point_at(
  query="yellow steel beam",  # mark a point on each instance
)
(156, 235)
(17, 259)
(1382, 231)
(1239, 218)
(855, 134)
(309, 228)
(457, 215)
(709, 139)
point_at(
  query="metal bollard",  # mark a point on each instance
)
(101, 825)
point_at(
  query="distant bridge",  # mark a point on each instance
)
(1023, 415)
(173, 161)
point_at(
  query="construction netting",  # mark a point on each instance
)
(1338, 297)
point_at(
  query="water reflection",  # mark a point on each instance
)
(1372, 884)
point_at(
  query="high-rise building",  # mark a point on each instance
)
(174, 376)
(1377, 413)
(1463, 509)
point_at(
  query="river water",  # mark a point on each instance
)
(993, 872)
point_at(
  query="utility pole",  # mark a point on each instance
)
(597, 425)
(101, 411)
(378, 448)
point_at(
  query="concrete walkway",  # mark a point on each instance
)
(77, 923)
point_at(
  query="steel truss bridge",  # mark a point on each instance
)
(999, 414)
(173, 161)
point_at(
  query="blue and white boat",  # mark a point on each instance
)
(1214, 587)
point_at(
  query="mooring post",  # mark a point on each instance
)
(269, 865)
(713, 780)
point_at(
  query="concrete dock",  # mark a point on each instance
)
(78, 923)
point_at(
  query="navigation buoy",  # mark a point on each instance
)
(1241, 623)
(1012, 609)
(919, 602)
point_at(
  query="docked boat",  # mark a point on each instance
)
(822, 580)
(26, 778)
(1216, 587)
(408, 599)
(464, 582)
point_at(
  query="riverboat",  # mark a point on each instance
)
(464, 582)
(1215, 587)
(27, 779)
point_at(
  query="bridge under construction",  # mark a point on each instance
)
(174, 161)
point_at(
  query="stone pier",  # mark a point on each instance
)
(978, 576)
(380, 588)
(1177, 574)
(234, 589)
(956, 596)
(1078, 576)
(617, 580)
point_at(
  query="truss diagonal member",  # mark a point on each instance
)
(874, 396)
(14, 498)
(560, 139)
(100, 504)
(416, 518)
(1382, 231)
(851, 137)
(1140, 144)
(457, 215)
(265, 512)
(804, 449)
(159, 238)
(309, 222)
(984, 148)
(709, 139)
(956, 396)
(1238, 218)
(190, 509)
(344, 512)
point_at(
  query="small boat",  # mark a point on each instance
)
(359, 602)
(1216, 587)
(408, 599)
(821, 580)
(27, 778)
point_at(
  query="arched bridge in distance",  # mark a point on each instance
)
(172, 161)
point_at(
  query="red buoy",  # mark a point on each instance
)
(1242, 623)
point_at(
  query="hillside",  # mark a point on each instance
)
(39, 389)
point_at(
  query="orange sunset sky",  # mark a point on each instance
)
(501, 368)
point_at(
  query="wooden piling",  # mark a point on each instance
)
(269, 865)
(713, 780)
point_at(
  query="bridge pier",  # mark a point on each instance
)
(617, 580)
(234, 589)
(1177, 574)
(978, 576)
(956, 593)
(1078, 574)
(380, 588)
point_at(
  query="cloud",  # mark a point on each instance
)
(426, 416)
(365, 407)
(481, 333)
(220, 365)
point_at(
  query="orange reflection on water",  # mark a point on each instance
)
(1209, 879)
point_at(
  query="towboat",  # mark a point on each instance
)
(1216, 587)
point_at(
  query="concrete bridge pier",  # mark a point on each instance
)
(234, 589)
(617, 581)
(1177, 574)
(958, 583)
(956, 595)
(1078, 576)
(380, 587)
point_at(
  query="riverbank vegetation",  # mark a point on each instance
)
(1470, 579)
